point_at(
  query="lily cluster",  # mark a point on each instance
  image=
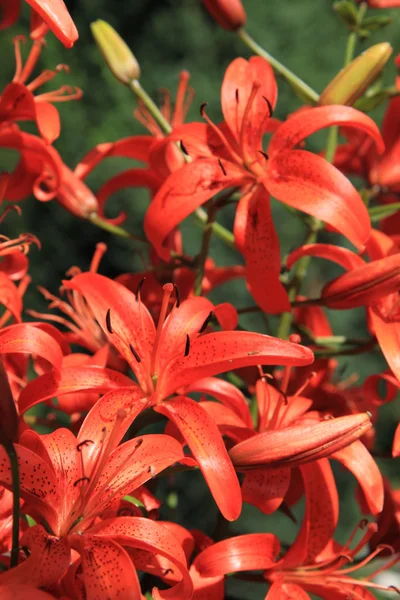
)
(259, 417)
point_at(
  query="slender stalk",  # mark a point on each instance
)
(150, 105)
(115, 229)
(12, 455)
(286, 319)
(303, 88)
(350, 48)
(205, 246)
(219, 230)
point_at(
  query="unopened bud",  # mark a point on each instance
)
(230, 14)
(118, 56)
(353, 80)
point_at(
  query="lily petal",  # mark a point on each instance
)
(205, 441)
(57, 17)
(266, 488)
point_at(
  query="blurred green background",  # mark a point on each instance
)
(166, 37)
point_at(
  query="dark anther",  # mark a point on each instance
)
(167, 572)
(271, 110)
(187, 345)
(84, 443)
(139, 287)
(108, 321)
(202, 108)
(206, 322)
(135, 354)
(265, 155)
(237, 95)
(138, 444)
(222, 166)
(183, 148)
(178, 297)
(125, 512)
(80, 480)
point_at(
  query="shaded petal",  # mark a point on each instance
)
(131, 322)
(185, 190)
(10, 297)
(257, 240)
(215, 353)
(242, 553)
(145, 534)
(72, 379)
(305, 123)
(266, 488)
(341, 256)
(205, 441)
(358, 461)
(321, 514)
(48, 121)
(388, 336)
(309, 183)
(108, 571)
(57, 17)
(396, 442)
(9, 13)
(225, 392)
(299, 444)
(20, 591)
(135, 147)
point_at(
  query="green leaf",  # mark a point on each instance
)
(347, 11)
(377, 213)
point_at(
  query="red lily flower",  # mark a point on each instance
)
(229, 156)
(17, 102)
(373, 285)
(69, 482)
(169, 356)
(53, 12)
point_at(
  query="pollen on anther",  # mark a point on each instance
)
(265, 155)
(178, 296)
(108, 321)
(84, 443)
(206, 322)
(183, 148)
(139, 287)
(135, 354)
(81, 480)
(187, 345)
(222, 166)
(271, 110)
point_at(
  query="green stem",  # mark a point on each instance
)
(115, 229)
(219, 230)
(331, 144)
(286, 319)
(12, 455)
(350, 48)
(205, 246)
(298, 84)
(150, 105)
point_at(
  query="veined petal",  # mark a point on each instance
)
(305, 123)
(108, 570)
(71, 379)
(358, 461)
(215, 353)
(57, 17)
(309, 183)
(30, 340)
(130, 466)
(247, 552)
(145, 534)
(185, 190)
(299, 444)
(388, 336)
(48, 561)
(112, 415)
(341, 256)
(266, 488)
(131, 322)
(256, 238)
(205, 441)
